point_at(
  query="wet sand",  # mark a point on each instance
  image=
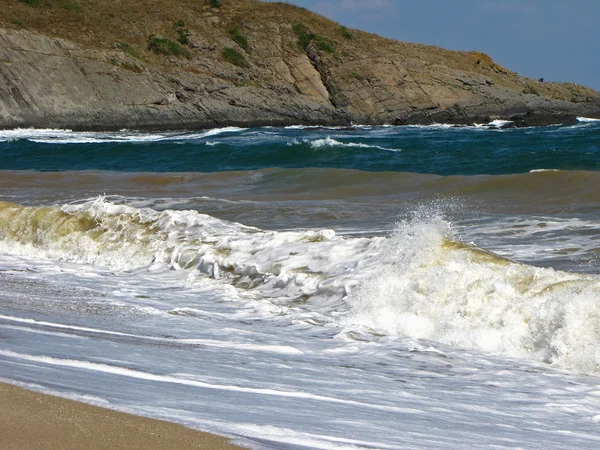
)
(30, 420)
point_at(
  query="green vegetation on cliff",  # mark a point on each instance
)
(167, 47)
(103, 24)
(306, 37)
(234, 57)
(247, 60)
(239, 38)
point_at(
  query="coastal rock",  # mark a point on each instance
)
(292, 67)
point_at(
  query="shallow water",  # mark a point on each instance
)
(417, 287)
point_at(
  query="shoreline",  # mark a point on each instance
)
(304, 70)
(531, 120)
(33, 420)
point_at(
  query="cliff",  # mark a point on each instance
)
(114, 64)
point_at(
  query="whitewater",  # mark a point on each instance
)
(311, 287)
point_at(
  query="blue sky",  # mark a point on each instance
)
(558, 40)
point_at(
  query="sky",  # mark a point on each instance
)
(558, 40)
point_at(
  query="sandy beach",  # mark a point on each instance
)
(31, 420)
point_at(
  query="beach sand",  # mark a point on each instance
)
(30, 420)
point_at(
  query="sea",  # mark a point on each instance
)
(418, 287)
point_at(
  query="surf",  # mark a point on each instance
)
(473, 150)
(421, 281)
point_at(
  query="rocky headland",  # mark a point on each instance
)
(191, 64)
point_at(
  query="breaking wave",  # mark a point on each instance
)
(431, 286)
(420, 281)
(330, 142)
(62, 136)
(440, 150)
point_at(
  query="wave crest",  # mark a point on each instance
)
(430, 286)
(420, 282)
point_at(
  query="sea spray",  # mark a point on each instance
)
(157, 300)
(430, 286)
(276, 265)
(419, 282)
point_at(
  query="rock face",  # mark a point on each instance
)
(296, 68)
(46, 82)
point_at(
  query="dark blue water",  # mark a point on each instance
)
(432, 150)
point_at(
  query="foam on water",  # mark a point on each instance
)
(276, 264)
(376, 335)
(318, 127)
(499, 123)
(434, 288)
(64, 136)
(419, 282)
(330, 142)
(214, 132)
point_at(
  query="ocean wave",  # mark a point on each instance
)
(65, 136)
(326, 127)
(420, 282)
(276, 264)
(587, 120)
(430, 286)
(499, 123)
(331, 142)
(495, 125)
(213, 132)
(434, 126)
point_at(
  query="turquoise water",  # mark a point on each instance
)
(294, 288)
(431, 150)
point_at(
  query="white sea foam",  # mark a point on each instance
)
(278, 264)
(301, 127)
(286, 350)
(312, 127)
(499, 123)
(215, 132)
(116, 370)
(216, 352)
(493, 125)
(419, 282)
(330, 142)
(434, 126)
(29, 133)
(64, 136)
(290, 437)
(427, 287)
(587, 120)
